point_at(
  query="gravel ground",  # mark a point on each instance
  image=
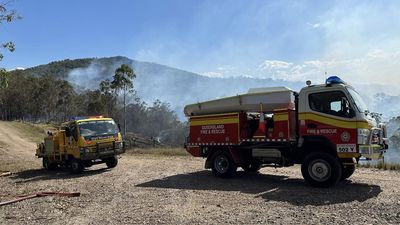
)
(150, 189)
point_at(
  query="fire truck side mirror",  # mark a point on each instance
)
(352, 113)
(119, 127)
(67, 132)
(346, 108)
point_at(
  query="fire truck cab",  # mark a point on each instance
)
(326, 128)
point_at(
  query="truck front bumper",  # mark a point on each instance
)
(102, 152)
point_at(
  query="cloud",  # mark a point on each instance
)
(213, 74)
(274, 65)
(222, 71)
(226, 68)
(288, 71)
(17, 68)
(314, 25)
(376, 66)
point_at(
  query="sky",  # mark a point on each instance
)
(290, 40)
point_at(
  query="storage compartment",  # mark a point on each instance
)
(48, 146)
(217, 129)
(266, 153)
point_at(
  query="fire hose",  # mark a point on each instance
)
(41, 194)
(5, 173)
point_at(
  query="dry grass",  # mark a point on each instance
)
(158, 151)
(31, 131)
(381, 165)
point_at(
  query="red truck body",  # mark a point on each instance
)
(232, 129)
(323, 128)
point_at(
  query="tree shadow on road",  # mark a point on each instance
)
(42, 174)
(270, 187)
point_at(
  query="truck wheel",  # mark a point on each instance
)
(347, 171)
(76, 166)
(111, 162)
(321, 169)
(223, 164)
(252, 167)
(48, 165)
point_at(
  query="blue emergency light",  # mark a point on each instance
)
(334, 80)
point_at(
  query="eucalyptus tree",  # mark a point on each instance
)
(122, 83)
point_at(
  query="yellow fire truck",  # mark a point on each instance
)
(82, 142)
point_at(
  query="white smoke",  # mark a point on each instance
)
(90, 77)
(179, 87)
(174, 86)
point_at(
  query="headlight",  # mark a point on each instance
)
(84, 150)
(121, 145)
(363, 136)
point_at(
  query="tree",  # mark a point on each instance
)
(7, 16)
(122, 82)
(107, 97)
(65, 96)
(3, 78)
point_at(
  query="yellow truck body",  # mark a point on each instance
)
(82, 142)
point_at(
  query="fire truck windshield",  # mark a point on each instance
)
(97, 128)
(361, 106)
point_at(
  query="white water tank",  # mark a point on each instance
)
(269, 98)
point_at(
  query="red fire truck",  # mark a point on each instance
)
(326, 128)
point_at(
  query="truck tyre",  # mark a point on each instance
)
(321, 169)
(252, 167)
(347, 171)
(76, 166)
(223, 164)
(48, 165)
(112, 162)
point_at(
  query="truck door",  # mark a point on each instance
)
(73, 141)
(330, 116)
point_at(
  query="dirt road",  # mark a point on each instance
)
(149, 189)
(15, 152)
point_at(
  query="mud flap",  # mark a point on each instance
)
(208, 163)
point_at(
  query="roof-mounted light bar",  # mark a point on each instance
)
(334, 80)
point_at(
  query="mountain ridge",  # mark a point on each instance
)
(176, 86)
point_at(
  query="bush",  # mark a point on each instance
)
(381, 165)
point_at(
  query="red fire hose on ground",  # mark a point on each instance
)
(41, 194)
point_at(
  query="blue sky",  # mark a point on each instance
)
(293, 40)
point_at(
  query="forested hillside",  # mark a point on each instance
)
(178, 87)
(154, 81)
(44, 94)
